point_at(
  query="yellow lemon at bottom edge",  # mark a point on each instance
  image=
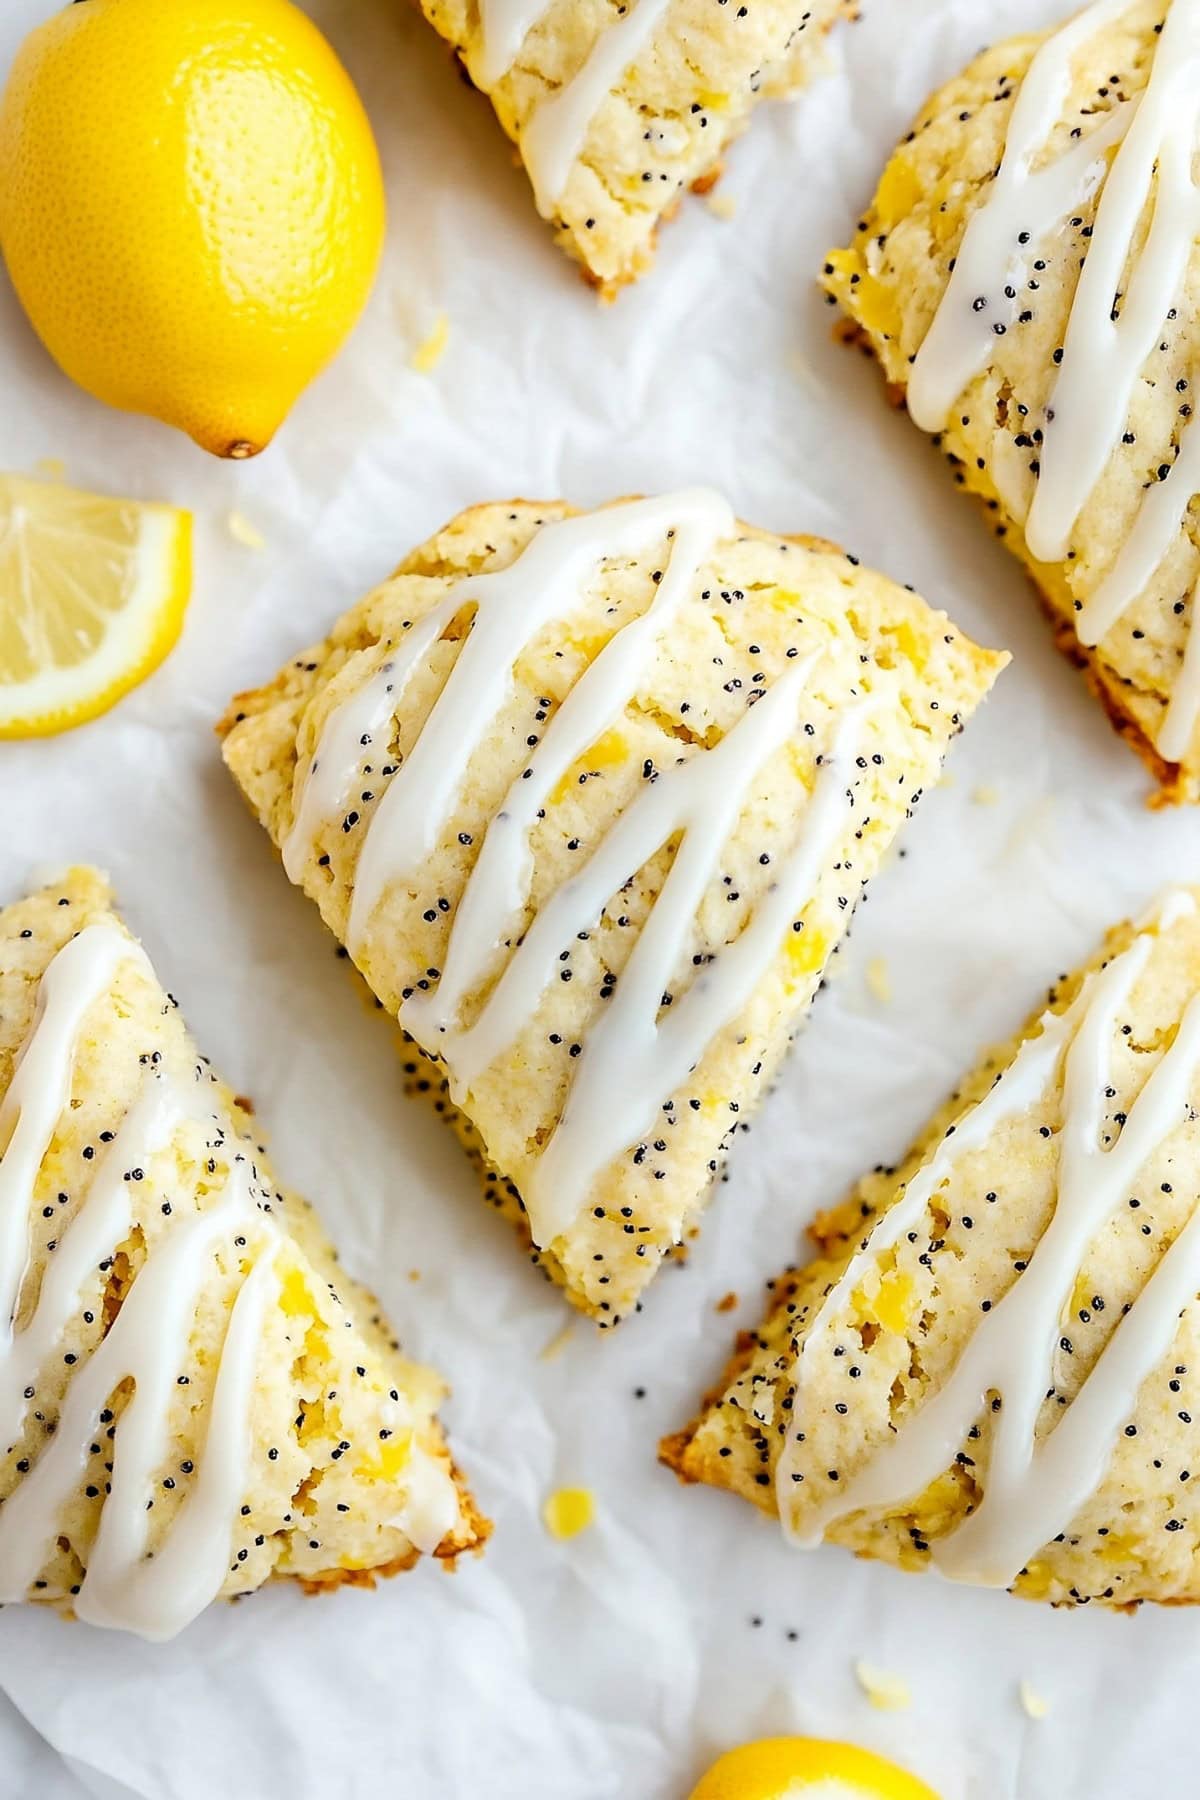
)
(799, 1768)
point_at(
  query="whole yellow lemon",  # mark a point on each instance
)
(191, 206)
(793, 1768)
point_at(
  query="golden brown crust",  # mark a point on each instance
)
(477, 1529)
(674, 1448)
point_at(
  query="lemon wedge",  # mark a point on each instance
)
(787, 1768)
(92, 597)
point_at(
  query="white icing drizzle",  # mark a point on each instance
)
(100, 1225)
(632, 1060)
(1032, 1489)
(347, 730)
(511, 606)
(154, 1594)
(41, 1087)
(499, 884)
(1022, 198)
(503, 27)
(431, 1509)
(554, 134)
(1155, 136)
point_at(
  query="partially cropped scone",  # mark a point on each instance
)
(194, 1397)
(590, 798)
(616, 106)
(1028, 274)
(994, 1366)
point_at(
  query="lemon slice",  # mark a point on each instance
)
(796, 1768)
(92, 596)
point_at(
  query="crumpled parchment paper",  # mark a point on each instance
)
(614, 1666)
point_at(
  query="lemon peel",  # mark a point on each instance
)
(93, 592)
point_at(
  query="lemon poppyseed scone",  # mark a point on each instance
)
(616, 106)
(589, 798)
(1029, 277)
(994, 1365)
(195, 1398)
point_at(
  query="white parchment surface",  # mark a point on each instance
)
(614, 1666)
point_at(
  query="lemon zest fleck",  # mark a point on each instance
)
(294, 1295)
(805, 950)
(898, 192)
(608, 752)
(879, 980)
(557, 1344)
(244, 533)
(892, 1304)
(390, 1460)
(429, 353)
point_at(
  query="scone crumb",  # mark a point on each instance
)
(985, 795)
(557, 1344)
(1031, 1701)
(244, 533)
(802, 369)
(885, 1691)
(53, 467)
(728, 1303)
(879, 980)
(723, 205)
(1034, 824)
(568, 1511)
(429, 353)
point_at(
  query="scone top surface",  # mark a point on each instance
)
(592, 822)
(194, 1397)
(994, 1367)
(1029, 273)
(615, 108)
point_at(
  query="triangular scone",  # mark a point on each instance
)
(193, 1396)
(1028, 275)
(592, 824)
(994, 1367)
(617, 110)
